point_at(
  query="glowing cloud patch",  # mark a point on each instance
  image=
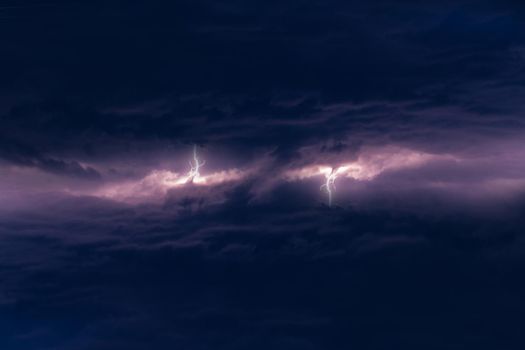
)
(369, 164)
(156, 184)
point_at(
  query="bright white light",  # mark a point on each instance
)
(331, 175)
(329, 185)
(194, 173)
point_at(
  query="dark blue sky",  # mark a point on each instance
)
(416, 107)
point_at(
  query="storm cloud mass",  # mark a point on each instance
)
(108, 242)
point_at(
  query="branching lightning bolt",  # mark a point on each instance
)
(329, 185)
(195, 165)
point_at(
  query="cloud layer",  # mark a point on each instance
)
(107, 242)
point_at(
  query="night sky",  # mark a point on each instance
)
(249, 174)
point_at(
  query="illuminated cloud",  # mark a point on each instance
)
(155, 185)
(369, 164)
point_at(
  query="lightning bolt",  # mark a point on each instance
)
(195, 165)
(329, 185)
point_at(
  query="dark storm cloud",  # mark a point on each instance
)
(128, 86)
(259, 74)
(26, 156)
(119, 86)
(280, 274)
(427, 256)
